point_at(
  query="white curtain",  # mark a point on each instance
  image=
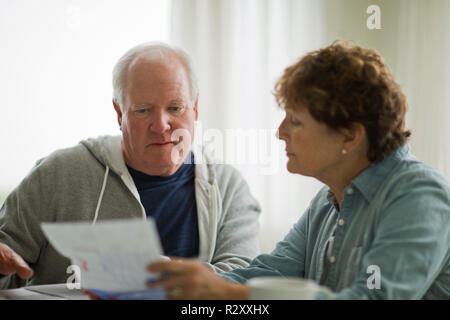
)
(422, 66)
(56, 60)
(240, 47)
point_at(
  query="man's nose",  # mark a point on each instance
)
(160, 122)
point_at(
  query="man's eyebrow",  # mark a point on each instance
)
(175, 101)
(143, 104)
(148, 104)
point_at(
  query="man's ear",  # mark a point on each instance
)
(354, 136)
(196, 109)
(119, 113)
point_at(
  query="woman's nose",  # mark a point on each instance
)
(281, 132)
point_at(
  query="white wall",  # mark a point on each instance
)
(242, 46)
(56, 59)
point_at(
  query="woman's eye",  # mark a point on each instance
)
(294, 121)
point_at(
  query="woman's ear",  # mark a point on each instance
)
(354, 136)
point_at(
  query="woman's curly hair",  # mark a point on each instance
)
(344, 84)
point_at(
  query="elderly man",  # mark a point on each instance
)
(201, 210)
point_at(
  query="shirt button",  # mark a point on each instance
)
(341, 222)
(350, 191)
(332, 259)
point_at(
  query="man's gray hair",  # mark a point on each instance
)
(145, 49)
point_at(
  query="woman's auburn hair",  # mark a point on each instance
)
(344, 84)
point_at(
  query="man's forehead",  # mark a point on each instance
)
(163, 70)
(160, 71)
(155, 58)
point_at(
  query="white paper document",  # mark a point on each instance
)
(25, 294)
(111, 256)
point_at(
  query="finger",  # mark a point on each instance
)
(21, 267)
(175, 258)
(6, 265)
(168, 282)
(175, 287)
(91, 295)
(170, 267)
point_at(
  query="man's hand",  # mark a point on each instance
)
(192, 280)
(11, 263)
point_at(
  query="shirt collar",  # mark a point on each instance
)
(371, 179)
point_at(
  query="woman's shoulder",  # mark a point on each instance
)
(413, 173)
(415, 186)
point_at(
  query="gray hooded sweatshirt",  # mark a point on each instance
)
(90, 182)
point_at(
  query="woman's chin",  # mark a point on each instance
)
(291, 168)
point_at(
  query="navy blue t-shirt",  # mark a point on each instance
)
(171, 202)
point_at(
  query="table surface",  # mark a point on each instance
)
(43, 292)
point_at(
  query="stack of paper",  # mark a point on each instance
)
(110, 256)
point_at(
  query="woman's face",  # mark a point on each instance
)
(313, 149)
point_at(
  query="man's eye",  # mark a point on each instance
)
(141, 112)
(175, 109)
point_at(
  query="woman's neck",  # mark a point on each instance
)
(340, 176)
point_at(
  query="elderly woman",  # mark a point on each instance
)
(344, 125)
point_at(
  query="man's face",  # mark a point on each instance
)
(157, 107)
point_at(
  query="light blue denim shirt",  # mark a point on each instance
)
(394, 223)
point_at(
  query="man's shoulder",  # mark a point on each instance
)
(75, 160)
(65, 156)
(61, 168)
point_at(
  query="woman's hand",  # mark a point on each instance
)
(192, 280)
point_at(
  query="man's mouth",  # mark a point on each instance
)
(161, 143)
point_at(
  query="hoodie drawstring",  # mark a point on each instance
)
(101, 195)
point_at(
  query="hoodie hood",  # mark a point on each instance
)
(108, 150)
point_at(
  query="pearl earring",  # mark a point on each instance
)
(344, 151)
